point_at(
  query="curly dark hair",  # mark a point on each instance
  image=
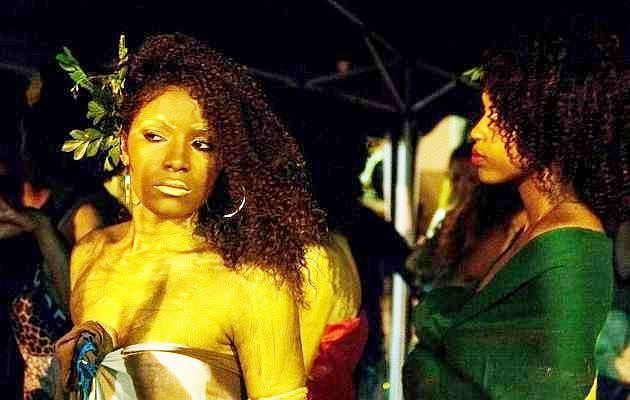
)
(259, 159)
(562, 97)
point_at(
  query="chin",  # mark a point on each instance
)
(171, 209)
(490, 178)
(495, 178)
(173, 214)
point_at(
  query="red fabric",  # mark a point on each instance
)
(340, 349)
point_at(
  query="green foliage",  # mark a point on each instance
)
(474, 74)
(70, 64)
(96, 111)
(103, 110)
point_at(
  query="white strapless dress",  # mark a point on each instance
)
(161, 371)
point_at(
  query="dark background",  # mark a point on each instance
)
(299, 38)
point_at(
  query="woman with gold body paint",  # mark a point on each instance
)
(197, 296)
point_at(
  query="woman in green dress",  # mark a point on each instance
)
(555, 125)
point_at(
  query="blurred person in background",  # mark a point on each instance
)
(612, 352)
(335, 155)
(51, 209)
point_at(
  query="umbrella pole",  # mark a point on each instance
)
(404, 217)
(402, 212)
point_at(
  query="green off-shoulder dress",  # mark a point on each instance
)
(529, 334)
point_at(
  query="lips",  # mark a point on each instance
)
(172, 187)
(477, 158)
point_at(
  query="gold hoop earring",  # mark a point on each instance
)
(240, 206)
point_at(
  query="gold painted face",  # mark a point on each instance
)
(489, 154)
(172, 155)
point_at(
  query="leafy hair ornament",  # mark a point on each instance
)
(103, 110)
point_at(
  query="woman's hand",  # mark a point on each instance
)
(66, 351)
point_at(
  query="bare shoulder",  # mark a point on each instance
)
(86, 218)
(98, 238)
(92, 246)
(571, 215)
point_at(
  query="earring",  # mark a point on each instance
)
(127, 189)
(128, 192)
(240, 206)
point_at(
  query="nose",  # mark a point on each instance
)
(477, 133)
(177, 157)
(480, 130)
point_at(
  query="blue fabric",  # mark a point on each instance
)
(84, 368)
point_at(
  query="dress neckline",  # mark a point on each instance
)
(510, 277)
(532, 242)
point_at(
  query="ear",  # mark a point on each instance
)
(124, 154)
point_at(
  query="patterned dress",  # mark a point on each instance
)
(37, 323)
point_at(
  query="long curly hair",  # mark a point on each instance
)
(259, 159)
(561, 95)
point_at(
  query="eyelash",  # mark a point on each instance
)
(204, 146)
(198, 144)
(150, 136)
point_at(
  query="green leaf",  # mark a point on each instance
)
(65, 64)
(68, 54)
(78, 134)
(474, 74)
(122, 49)
(109, 141)
(70, 145)
(70, 64)
(67, 61)
(107, 166)
(114, 154)
(116, 84)
(81, 79)
(96, 111)
(113, 157)
(122, 72)
(94, 147)
(79, 152)
(78, 76)
(93, 133)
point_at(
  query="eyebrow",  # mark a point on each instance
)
(201, 127)
(161, 119)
